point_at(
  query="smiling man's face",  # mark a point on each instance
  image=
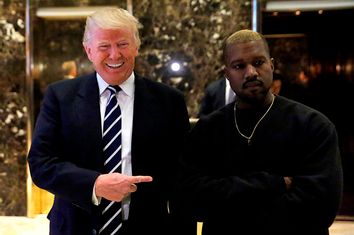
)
(112, 53)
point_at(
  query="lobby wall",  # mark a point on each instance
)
(13, 109)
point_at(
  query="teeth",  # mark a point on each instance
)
(115, 65)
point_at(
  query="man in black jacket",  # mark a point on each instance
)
(263, 164)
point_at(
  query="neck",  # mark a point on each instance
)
(242, 103)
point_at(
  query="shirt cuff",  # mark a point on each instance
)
(95, 200)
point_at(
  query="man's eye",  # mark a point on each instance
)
(238, 66)
(102, 47)
(259, 62)
(123, 44)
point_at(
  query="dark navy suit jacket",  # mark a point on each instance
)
(66, 154)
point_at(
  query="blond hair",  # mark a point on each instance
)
(242, 36)
(112, 18)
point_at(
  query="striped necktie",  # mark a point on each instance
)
(112, 148)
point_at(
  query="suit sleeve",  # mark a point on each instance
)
(50, 168)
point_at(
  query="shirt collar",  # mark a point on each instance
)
(127, 86)
(227, 83)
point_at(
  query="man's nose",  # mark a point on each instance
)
(250, 71)
(114, 53)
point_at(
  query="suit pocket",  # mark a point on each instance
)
(56, 220)
(68, 219)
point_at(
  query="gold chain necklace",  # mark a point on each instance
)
(249, 138)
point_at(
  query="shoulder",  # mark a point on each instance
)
(219, 117)
(216, 84)
(70, 83)
(299, 111)
(154, 87)
(69, 87)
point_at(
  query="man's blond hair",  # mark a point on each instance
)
(112, 18)
(242, 36)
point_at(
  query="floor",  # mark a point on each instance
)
(13, 225)
(16, 225)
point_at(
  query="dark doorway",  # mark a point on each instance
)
(315, 52)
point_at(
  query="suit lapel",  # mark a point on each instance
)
(144, 111)
(87, 108)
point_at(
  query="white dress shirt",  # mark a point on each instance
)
(229, 93)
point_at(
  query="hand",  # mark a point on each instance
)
(116, 186)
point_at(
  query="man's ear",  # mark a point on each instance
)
(136, 51)
(272, 63)
(225, 73)
(88, 51)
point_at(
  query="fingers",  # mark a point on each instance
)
(141, 179)
(136, 180)
(116, 186)
(133, 188)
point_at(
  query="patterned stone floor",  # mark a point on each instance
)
(13, 225)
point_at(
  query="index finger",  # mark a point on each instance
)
(141, 179)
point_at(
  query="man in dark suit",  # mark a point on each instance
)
(216, 95)
(66, 155)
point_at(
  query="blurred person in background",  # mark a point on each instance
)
(216, 95)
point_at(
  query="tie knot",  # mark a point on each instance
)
(114, 89)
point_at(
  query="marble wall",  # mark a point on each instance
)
(13, 110)
(191, 33)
